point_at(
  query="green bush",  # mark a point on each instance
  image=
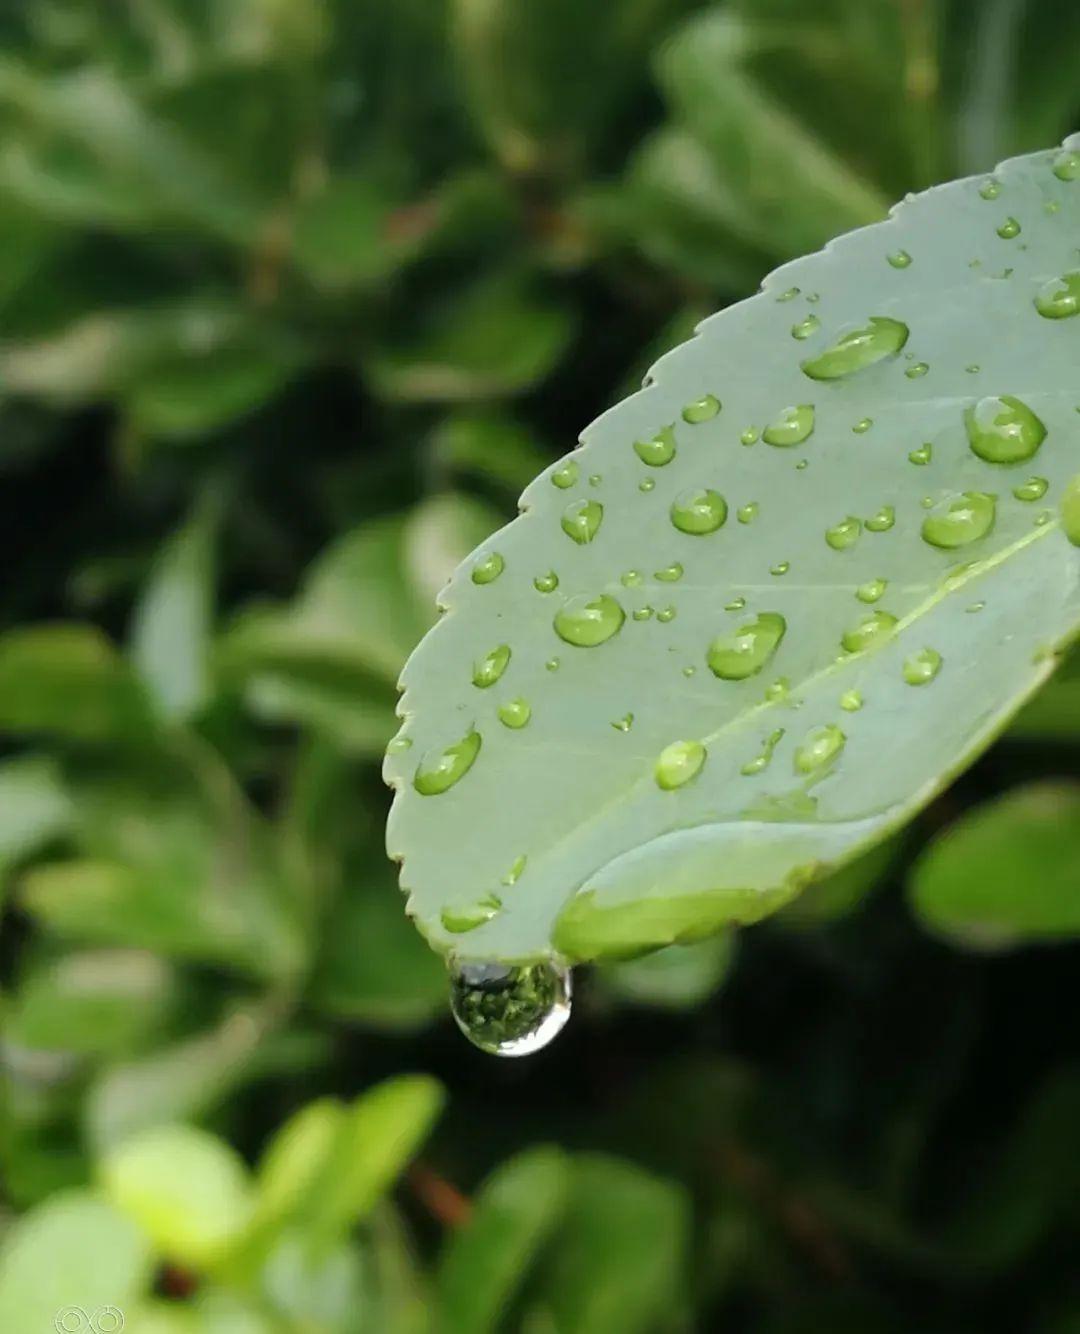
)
(295, 297)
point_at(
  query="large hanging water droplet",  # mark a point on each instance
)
(1003, 430)
(844, 534)
(1059, 299)
(488, 568)
(490, 667)
(585, 621)
(510, 1011)
(743, 654)
(441, 767)
(791, 427)
(921, 668)
(678, 764)
(963, 519)
(701, 410)
(881, 337)
(658, 450)
(819, 749)
(565, 475)
(515, 713)
(581, 520)
(872, 629)
(1070, 511)
(699, 511)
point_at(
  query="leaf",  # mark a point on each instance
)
(621, 1250)
(186, 1189)
(1005, 873)
(485, 1261)
(34, 807)
(761, 658)
(73, 1251)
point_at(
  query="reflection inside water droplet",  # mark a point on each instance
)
(510, 1011)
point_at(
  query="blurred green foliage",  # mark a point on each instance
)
(295, 295)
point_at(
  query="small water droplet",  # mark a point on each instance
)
(699, 511)
(1034, 488)
(670, 574)
(689, 671)
(734, 657)
(881, 337)
(399, 744)
(643, 613)
(441, 767)
(552, 664)
(861, 427)
(882, 521)
(736, 604)
(779, 690)
(961, 520)
(917, 371)
(975, 607)
(819, 749)
(488, 568)
(632, 579)
(646, 484)
(701, 410)
(791, 427)
(658, 451)
(973, 369)
(780, 569)
(510, 1011)
(488, 670)
(1066, 166)
(922, 455)
(871, 630)
(1043, 518)
(872, 590)
(1070, 511)
(805, 327)
(1008, 229)
(789, 295)
(747, 513)
(851, 701)
(761, 762)
(581, 520)
(624, 723)
(515, 713)
(921, 668)
(460, 918)
(678, 764)
(990, 188)
(586, 622)
(565, 475)
(750, 436)
(546, 583)
(517, 866)
(1059, 299)
(899, 259)
(802, 465)
(1003, 430)
(844, 534)
(595, 479)
(666, 614)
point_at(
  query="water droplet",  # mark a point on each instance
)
(586, 622)
(1003, 430)
(1070, 511)
(399, 744)
(922, 455)
(871, 630)
(624, 723)
(1043, 518)
(861, 427)
(581, 520)
(851, 701)
(961, 520)
(819, 749)
(459, 918)
(643, 614)
(734, 657)
(761, 762)
(632, 579)
(747, 513)
(899, 259)
(515, 713)
(678, 764)
(517, 866)
(1059, 299)
(1067, 166)
(990, 188)
(736, 604)
(546, 583)
(510, 1011)
(646, 484)
(975, 607)
(552, 664)
(881, 337)
(973, 369)
(921, 668)
(659, 450)
(488, 568)
(781, 568)
(779, 690)
(917, 371)
(872, 590)
(1008, 229)
(441, 767)
(689, 671)
(488, 670)
(750, 436)
(595, 479)
(670, 574)
(1032, 489)
(565, 475)
(666, 614)
(1051, 206)
(844, 534)
(791, 427)
(789, 295)
(699, 511)
(805, 327)
(882, 521)
(701, 410)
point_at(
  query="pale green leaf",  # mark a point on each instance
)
(729, 694)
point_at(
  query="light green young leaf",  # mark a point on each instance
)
(781, 624)
(1006, 872)
(34, 806)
